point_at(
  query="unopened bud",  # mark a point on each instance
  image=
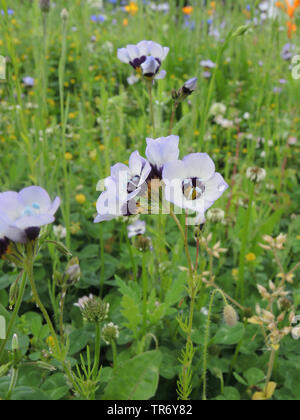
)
(64, 14)
(93, 309)
(110, 332)
(296, 333)
(13, 294)
(190, 86)
(242, 30)
(15, 343)
(143, 243)
(230, 316)
(45, 6)
(72, 272)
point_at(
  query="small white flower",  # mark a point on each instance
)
(137, 228)
(218, 109)
(216, 215)
(60, 231)
(256, 174)
(82, 302)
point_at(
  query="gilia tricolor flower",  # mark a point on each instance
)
(26, 212)
(192, 183)
(122, 187)
(146, 58)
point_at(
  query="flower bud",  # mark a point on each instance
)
(15, 343)
(93, 309)
(241, 30)
(110, 332)
(230, 316)
(296, 333)
(190, 86)
(216, 215)
(72, 272)
(64, 14)
(45, 6)
(13, 294)
(143, 243)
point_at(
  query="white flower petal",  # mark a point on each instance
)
(215, 187)
(157, 51)
(54, 206)
(26, 222)
(174, 170)
(36, 195)
(143, 47)
(123, 55)
(161, 75)
(199, 165)
(133, 52)
(11, 205)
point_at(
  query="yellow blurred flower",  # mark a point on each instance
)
(132, 8)
(251, 257)
(68, 156)
(80, 198)
(188, 10)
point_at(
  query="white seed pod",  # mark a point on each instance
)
(230, 316)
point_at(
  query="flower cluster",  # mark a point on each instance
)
(23, 214)
(191, 184)
(93, 309)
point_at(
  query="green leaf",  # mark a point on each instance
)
(26, 393)
(254, 376)
(136, 379)
(240, 379)
(229, 335)
(230, 394)
(131, 312)
(78, 340)
(176, 291)
(55, 386)
(5, 281)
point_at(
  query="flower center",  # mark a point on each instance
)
(193, 188)
(31, 210)
(133, 184)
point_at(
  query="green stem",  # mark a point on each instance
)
(150, 87)
(115, 354)
(206, 340)
(61, 76)
(29, 269)
(186, 245)
(97, 351)
(15, 313)
(174, 107)
(145, 293)
(13, 383)
(270, 369)
(241, 279)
